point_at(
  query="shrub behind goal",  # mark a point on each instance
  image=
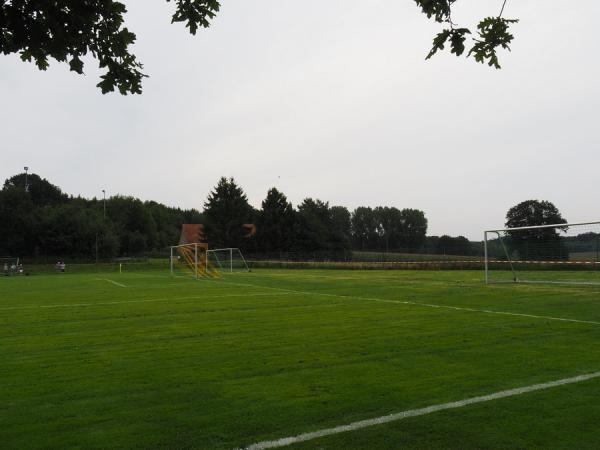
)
(561, 253)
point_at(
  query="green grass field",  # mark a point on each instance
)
(143, 360)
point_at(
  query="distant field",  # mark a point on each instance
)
(376, 260)
(143, 360)
(408, 257)
(584, 256)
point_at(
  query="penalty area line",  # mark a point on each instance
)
(174, 300)
(112, 282)
(417, 412)
(424, 305)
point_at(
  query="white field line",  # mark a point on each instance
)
(155, 300)
(426, 305)
(111, 281)
(418, 412)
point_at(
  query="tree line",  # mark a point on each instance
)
(40, 220)
(314, 226)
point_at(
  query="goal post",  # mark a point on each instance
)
(10, 266)
(559, 253)
(228, 260)
(191, 260)
(198, 261)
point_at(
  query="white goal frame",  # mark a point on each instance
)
(230, 250)
(9, 265)
(173, 256)
(510, 262)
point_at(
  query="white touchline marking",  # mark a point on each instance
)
(111, 281)
(427, 305)
(417, 412)
(155, 300)
(489, 311)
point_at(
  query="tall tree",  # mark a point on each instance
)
(136, 227)
(311, 229)
(414, 229)
(389, 227)
(364, 228)
(41, 191)
(275, 223)
(543, 243)
(225, 211)
(68, 31)
(322, 229)
(341, 228)
(19, 223)
(532, 213)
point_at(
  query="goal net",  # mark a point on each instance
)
(562, 253)
(10, 266)
(227, 260)
(191, 260)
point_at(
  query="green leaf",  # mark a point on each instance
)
(439, 42)
(76, 64)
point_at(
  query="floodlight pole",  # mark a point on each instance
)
(26, 183)
(171, 261)
(104, 202)
(231, 260)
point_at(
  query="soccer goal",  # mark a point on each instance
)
(191, 260)
(10, 266)
(561, 253)
(228, 260)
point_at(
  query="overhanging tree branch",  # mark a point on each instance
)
(68, 30)
(492, 33)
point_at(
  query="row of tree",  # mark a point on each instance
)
(38, 220)
(314, 226)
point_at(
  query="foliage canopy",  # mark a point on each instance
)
(69, 30)
(543, 243)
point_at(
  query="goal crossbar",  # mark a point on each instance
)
(539, 227)
(562, 253)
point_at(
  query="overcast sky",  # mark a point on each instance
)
(331, 100)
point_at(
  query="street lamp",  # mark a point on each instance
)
(26, 183)
(104, 202)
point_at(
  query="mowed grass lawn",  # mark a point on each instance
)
(161, 362)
